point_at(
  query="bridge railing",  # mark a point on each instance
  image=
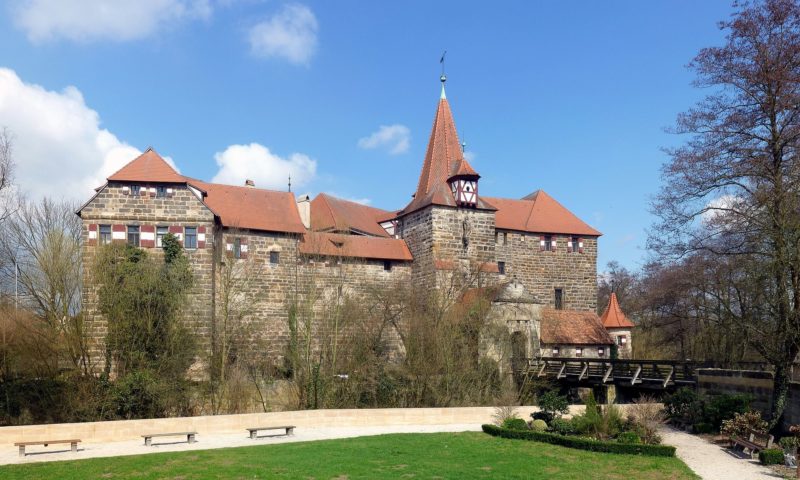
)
(603, 370)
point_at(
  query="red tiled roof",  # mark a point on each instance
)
(538, 213)
(147, 167)
(443, 159)
(613, 317)
(571, 327)
(354, 246)
(329, 213)
(252, 208)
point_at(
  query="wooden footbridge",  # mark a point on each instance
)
(590, 372)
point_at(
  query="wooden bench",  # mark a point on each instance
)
(148, 439)
(755, 442)
(73, 444)
(254, 430)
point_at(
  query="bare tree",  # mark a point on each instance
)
(6, 172)
(733, 190)
(41, 240)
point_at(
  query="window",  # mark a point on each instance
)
(622, 340)
(136, 189)
(237, 248)
(497, 237)
(160, 232)
(501, 267)
(133, 235)
(556, 351)
(161, 192)
(387, 265)
(190, 237)
(579, 352)
(505, 238)
(601, 352)
(559, 299)
(548, 243)
(274, 257)
(105, 234)
(574, 245)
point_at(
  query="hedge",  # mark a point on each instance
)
(773, 456)
(582, 443)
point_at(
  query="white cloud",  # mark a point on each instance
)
(470, 156)
(255, 162)
(91, 20)
(718, 210)
(396, 138)
(59, 148)
(291, 34)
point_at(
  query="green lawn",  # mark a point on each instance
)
(436, 455)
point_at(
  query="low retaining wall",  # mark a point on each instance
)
(757, 384)
(133, 429)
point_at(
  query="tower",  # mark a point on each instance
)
(447, 226)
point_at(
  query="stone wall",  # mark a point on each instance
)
(541, 272)
(714, 381)
(112, 206)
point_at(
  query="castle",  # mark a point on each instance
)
(539, 258)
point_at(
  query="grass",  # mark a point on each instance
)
(435, 455)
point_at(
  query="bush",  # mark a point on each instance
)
(684, 406)
(772, 456)
(628, 437)
(742, 423)
(646, 417)
(539, 425)
(724, 407)
(789, 443)
(582, 443)
(562, 426)
(503, 413)
(552, 405)
(515, 424)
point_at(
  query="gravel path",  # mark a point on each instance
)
(38, 453)
(713, 462)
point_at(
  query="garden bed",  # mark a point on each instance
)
(582, 443)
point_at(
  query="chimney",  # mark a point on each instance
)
(249, 183)
(304, 207)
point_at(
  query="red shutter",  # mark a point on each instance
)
(580, 245)
(118, 228)
(147, 236)
(143, 191)
(245, 250)
(569, 244)
(177, 230)
(126, 190)
(553, 243)
(541, 244)
(89, 240)
(201, 232)
(152, 191)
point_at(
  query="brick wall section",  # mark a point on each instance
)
(541, 272)
(112, 206)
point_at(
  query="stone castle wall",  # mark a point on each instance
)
(541, 272)
(112, 206)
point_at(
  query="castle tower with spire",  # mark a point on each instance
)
(447, 225)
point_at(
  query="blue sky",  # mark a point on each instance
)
(570, 97)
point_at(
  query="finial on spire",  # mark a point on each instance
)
(443, 78)
(290, 183)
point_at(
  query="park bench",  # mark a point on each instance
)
(73, 444)
(755, 442)
(148, 439)
(254, 430)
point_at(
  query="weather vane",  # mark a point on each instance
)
(443, 78)
(290, 182)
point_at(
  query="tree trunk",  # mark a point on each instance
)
(780, 392)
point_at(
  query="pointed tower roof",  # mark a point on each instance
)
(444, 159)
(147, 167)
(613, 317)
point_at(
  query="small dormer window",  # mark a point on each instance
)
(465, 191)
(136, 190)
